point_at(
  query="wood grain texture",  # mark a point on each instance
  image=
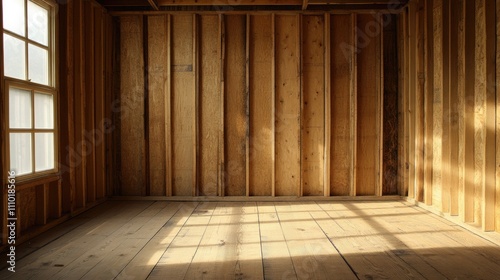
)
(287, 105)
(391, 100)
(132, 106)
(90, 108)
(210, 109)
(461, 106)
(429, 103)
(454, 111)
(342, 62)
(100, 100)
(438, 104)
(446, 118)
(313, 113)
(368, 101)
(470, 46)
(157, 75)
(497, 203)
(261, 111)
(419, 99)
(484, 140)
(183, 105)
(235, 123)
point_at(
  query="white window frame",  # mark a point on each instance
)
(27, 85)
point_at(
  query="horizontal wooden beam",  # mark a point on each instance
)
(304, 3)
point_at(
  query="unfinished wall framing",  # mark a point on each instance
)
(452, 52)
(254, 104)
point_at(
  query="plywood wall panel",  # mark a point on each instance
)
(287, 105)
(132, 106)
(391, 118)
(235, 123)
(210, 109)
(368, 104)
(438, 104)
(157, 76)
(183, 105)
(261, 105)
(342, 92)
(313, 113)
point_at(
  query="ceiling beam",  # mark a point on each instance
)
(154, 4)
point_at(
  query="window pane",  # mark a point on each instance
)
(13, 16)
(20, 153)
(44, 111)
(19, 108)
(38, 61)
(38, 24)
(14, 55)
(44, 151)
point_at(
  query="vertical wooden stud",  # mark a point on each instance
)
(273, 105)
(247, 105)
(196, 113)
(222, 55)
(354, 106)
(168, 110)
(328, 105)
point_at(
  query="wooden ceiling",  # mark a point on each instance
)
(158, 5)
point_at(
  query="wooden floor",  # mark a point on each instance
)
(257, 240)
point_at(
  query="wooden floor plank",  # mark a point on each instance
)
(258, 240)
(230, 248)
(313, 255)
(146, 259)
(66, 249)
(366, 245)
(276, 258)
(175, 262)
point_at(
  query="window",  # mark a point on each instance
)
(28, 60)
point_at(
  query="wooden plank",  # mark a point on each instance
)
(437, 153)
(470, 45)
(353, 95)
(276, 260)
(132, 106)
(497, 207)
(90, 96)
(175, 261)
(168, 112)
(183, 105)
(100, 101)
(42, 200)
(235, 121)
(230, 246)
(390, 111)
(157, 75)
(484, 140)
(313, 255)
(342, 55)
(287, 105)
(145, 260)
(412, 84)
(210, 111)
(462, 121)
(222, 99)
(247, 105)
(454, 110)
(196, 86)
(79, 195)
(446, 145)
(378, 33)
(419, 99)
(429, 102)
(313, 113)
(273, 105)
(402, 183)
(368, 94)
(328, 105)
(261, 109)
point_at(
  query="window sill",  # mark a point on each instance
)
(26, 183)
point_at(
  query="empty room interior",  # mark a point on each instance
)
(250, 139)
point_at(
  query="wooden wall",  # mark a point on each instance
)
(451, 63)
(258, 104)
(84, 125)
